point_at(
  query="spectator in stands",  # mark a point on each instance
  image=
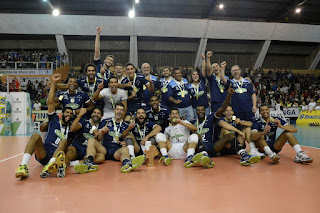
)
(37, 105)
(312, 104)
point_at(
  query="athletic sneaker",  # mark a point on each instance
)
(49, 168)
(22, 171)
(62, 170)
(248, 159)
(206, 161)
(126, 166)
(192, 160)
(301, 157)
(274, 157)
(86, 166)
(255, 151)
(188, 162)
(137, 161)
(52, 167)
(166, 160)
(60, 160)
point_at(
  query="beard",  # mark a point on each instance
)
(140, 123)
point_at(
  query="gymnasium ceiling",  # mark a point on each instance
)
(241, 10)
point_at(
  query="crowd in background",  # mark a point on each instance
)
(7, 57)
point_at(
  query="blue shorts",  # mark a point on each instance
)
(111, 149)
(271, 145)
(81, 150)
(49, 150)
(245, 116)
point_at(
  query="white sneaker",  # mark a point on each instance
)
(274, 157)
(302, 158)
(256, 152)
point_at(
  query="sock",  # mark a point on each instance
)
(148, 144)
(267, 150)
(190, 151)
(242, 152)
(163, 151)
(131, 150)
(73, 163)
(252, 145)
(52, 160)
(143, 147)
(297, 148)
(90, 158)
(26, 158)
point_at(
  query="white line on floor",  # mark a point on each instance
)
(310, 147)
(10, 157)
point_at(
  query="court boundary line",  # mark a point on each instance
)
(11, 157)
(310, 146)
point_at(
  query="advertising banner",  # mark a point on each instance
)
(291, 112)
(310, 118)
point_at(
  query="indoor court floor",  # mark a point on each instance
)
(228, 187)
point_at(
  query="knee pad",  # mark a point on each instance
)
(193, 138)
(160, 137)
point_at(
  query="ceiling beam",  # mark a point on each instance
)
(212, 5)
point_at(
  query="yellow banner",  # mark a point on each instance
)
(41, 115)
(309, 118)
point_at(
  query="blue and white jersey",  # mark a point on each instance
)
(75, 101)
(199, 94)
(115, 133)
(160, 118)
(139, 81)
(259, 125)
(56, 131)
(86, 132)
(218, 89)
(89, 88)
(206, 128)
(179, 91)
(141, 132)
(241, 101)
(107, 73)
(219, 128)
(146, 93)
(164, 88)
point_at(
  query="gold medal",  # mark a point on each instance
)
(144, 87)
(173, 120)
(135, 89)
(164, 89)
(116, 138)
(234, 117)
(182, 95)
(60, 97)
(221, 90)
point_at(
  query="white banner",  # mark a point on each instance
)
(291, 112)
(27, 72)
(273, 113)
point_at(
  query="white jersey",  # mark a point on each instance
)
(111, 100)
(178, 133)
